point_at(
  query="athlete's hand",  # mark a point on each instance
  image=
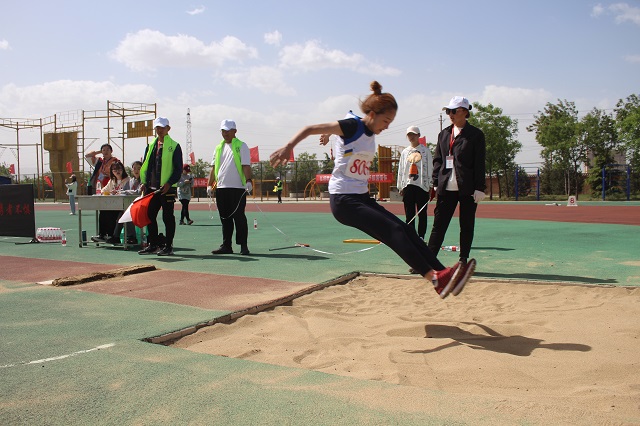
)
(324, 139)
(432, 193)
(249, 186)
(280, 157)
(209, 191)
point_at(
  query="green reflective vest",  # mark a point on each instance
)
(236, 145)
(166, 170)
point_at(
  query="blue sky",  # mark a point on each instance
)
(275, 66)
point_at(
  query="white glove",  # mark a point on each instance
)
(249, 187)
(209, 191)
(478, 196)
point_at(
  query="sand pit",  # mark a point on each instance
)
(563, 351)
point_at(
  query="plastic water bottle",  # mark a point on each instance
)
(144, 240)
(450, 248)
(98, 188)
(255, 223)
(64, 239)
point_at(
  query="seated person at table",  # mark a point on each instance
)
(131, 188)
(134, 180)
(106, 220)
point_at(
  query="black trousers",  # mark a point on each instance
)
(360, 211)
(279, 196)
(445, 207)
(231, 205)
(414, 198)
(107, 220)
(184, 213)
(166, 203)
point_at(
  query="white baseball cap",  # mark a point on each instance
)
(457, 102)
(413, 129)
(160, 122)
(227, 125)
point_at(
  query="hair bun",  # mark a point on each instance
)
(376, 87)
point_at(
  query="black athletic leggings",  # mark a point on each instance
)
(184, 213)
(360, 211)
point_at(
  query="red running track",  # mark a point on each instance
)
(622, 215)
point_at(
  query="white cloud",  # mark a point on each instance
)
(65, 95)
(4, 45)
(148, 50)
(597, 10)
(266, 79)
(312, 56)
(632, 58)
(274, 38)
(196, 11)
(625, 12)
(515, 100)
(336, 107)
(520, 104)
(622, 11)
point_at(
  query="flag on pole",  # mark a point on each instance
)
(69, 167)
(291, 159)
(255, 155)
(48, 180)
(12, 169)
(423, 140)
(192, 156)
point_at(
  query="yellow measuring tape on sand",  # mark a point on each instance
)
(361, 241)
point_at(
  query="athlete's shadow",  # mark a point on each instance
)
(493, 341)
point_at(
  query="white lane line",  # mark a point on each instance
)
(57, 358)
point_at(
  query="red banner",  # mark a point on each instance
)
(192, 156)
(48, 180)
(255, 155)
(291, 159)
(376, 177)
(423, 140)
(69, 167)
(200, 182)
(12, 169)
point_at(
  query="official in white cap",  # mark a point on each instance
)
(160, 171)
(458, 176)
(231, 169)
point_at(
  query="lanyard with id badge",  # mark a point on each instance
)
(449, 158)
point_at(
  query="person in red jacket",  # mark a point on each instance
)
(101, 174)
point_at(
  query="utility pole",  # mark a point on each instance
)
(188, 140)
(440, 121)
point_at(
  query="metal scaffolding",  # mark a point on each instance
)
(120, 125)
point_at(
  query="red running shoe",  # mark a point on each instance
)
(466, 271)
(445, 280)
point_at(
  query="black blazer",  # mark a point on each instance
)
(469, 154)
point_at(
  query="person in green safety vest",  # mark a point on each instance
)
(161, 170)
(231, 170)
(278, 188)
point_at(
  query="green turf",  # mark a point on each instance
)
(133, 382)
(505, 249)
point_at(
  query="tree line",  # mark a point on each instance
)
(567, 143)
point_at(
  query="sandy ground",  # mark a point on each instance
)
(565, 351)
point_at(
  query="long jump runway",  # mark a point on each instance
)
(80, 354)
